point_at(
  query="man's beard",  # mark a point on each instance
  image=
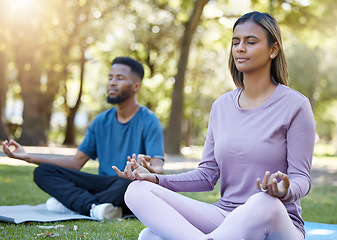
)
(115, 100)
(127, 93)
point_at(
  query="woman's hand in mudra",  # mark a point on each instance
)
(134, 171)
(271, 185)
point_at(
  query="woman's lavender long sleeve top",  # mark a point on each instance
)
(242, 144)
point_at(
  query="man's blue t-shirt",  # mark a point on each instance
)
(111, 141)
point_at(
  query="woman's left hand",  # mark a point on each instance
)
(271, 185)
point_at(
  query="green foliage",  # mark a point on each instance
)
(149, 38)
(304, 70)
(51, 35)
(326, 119)
(308, 28)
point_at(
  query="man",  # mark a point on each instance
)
(124, 130)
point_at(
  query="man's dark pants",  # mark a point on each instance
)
(79, 190)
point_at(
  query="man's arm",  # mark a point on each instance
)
(75, 161)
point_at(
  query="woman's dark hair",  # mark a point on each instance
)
(279, 69)
(136, 67)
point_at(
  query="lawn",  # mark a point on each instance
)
(17, 187)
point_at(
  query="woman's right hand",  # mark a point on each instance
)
(18, 152)
(271, 186)
(134, 171)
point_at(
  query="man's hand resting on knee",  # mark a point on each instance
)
(18, 152)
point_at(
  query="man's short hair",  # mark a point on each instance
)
(136, 66)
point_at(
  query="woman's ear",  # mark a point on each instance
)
(274, 50)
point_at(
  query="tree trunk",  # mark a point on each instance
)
(4, 133)
(37, 109)
(71, 128)
(173, 131)
(37, 103)
(36, 118)
(188, 132)
(3, 90)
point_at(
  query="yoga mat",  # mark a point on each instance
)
(320, 231)
(38, 213)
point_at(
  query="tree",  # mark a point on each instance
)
(71, 111)
(46, 37)
(309, 30)
(304, 70)
(89, 16)
(49, 43)
(3, 71)
(28, 56)
(4, 86)
(81, 14)
(152, 42)
(173, 132)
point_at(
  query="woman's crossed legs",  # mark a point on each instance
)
(174, 216)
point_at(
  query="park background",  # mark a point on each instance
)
(55, 58)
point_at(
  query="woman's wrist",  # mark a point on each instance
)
(283, 195)
(156, 179)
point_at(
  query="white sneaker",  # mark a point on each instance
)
(147, 234)
(54, 205)
(105, 211)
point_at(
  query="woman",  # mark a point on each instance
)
(262, 129)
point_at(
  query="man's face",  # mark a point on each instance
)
(120, 83)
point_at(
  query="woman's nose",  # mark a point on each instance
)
(241, 48)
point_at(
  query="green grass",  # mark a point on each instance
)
(127, 229)
(320, 205)
(17, 187)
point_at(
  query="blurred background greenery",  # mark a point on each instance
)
(55, 56)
